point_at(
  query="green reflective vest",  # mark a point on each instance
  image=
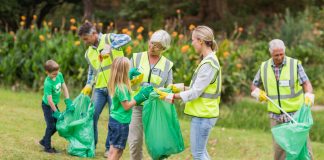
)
(286, 92)
(102, 69)
(157, 76)
(207, 104)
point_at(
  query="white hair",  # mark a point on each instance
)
(276, 43)
(162, 37)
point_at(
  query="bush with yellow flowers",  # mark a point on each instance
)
(24, 53)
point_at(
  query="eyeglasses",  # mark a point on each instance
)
(157, 45)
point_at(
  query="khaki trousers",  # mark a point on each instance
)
(135, 136)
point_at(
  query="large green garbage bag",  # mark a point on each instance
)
(77, 127)
(292, 137)
(161, 127)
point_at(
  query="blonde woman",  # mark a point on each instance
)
(120, 113)
(202, 97)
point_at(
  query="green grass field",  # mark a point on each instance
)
(22, 125)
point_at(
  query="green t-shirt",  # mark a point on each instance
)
(53, 87)
(117, 110)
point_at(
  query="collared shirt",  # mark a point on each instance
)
(203, 79)
(117, 40)
(302, 76)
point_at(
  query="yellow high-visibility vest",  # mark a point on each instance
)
(102, 69)
(157, 76)
(291, 93)
(207, 104)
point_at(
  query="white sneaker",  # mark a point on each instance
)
(106, 154)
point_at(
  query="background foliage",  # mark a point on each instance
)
(23, 53)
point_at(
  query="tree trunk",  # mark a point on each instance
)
(88, 9)
(47, 9)
(212, 10)
(220, 6)
(44, 11)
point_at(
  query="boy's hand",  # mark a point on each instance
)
(58, 115)
(86, 90)
(69, 104)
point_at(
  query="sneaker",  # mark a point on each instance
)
(51, 150)
(106, 154)
(41, 142)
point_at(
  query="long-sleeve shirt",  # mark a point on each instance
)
(204, 78)
(117, 40)
(302, 76)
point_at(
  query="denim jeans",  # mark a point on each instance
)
(199, 132)
(50, 125)
(118, 133)
(101, 97)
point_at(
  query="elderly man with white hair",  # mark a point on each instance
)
(157, 72)
(286, 83)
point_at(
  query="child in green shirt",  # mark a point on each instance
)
(120, 112)
(52, 91)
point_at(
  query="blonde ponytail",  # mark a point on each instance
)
(207, 35)
(214, 46)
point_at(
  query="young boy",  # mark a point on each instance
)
(52, 91)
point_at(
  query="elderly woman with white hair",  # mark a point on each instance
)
(286, 83)
(157, 72)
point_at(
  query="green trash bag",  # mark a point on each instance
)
(292, 137)
(161, 127)
(77, 127)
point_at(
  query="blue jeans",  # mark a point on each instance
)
(199, 132)
(50, 125)
(101, 97)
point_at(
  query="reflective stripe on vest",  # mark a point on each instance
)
(217, 92)
(102, 69)
(291, 82)
(291, 93)
(207, 104)
(165, 73)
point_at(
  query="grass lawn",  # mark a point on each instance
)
(22, 125)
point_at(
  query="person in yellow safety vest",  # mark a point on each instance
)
(202, 97)
(286, 83)
(103, 49)
(157, 72)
